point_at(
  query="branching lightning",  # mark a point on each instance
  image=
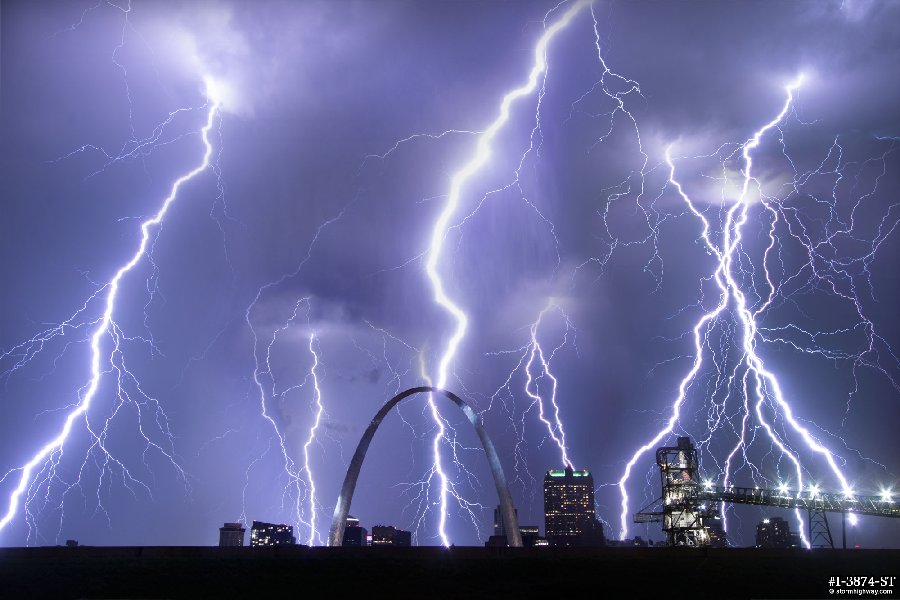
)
(40, 471)
(554, 428)
(767, 256)
(534, 363)
(754, 387)
(300, 488)
(442, 224)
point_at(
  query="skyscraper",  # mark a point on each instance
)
(569, 518)
(231, 534)
(354, 535)
(773, 533)
(715, 530)
(270, 534)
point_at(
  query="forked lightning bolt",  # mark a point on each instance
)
(757, 386)
(443, 223)
(300, 488)
(728, 291)
(104, 330)
(743, 395)
(554, 428)
(535, 363)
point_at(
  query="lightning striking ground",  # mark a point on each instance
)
(758, 390)
(555, 428)
(535, 365)
(729, 291)
(735, 397)
(442, 225)
(105, 328)
(300, 487)
(313, 534)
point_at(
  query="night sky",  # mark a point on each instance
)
(342, 124)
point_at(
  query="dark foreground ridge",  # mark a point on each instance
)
(298, 571)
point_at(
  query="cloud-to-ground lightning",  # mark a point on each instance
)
(105, 330)
(752, 384)
(728, 292)
(555, 427)
(443, 222)
(300, 487)
(540, 385)
(313, 371)
(579, 195)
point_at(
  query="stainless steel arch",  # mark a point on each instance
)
(342, 507)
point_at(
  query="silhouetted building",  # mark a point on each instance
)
(388, 535)
(354, 535)
(499, 527)
(270, 534)
(530, 534)
(715, 531)
(569, 517)
(231, 534)
(592, 535)
(530, 538)
(773, 533)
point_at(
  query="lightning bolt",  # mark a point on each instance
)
(312, 436)
(758, 387)
(297, 485)
(300, 487)
(532, 356)
(46, 459)
(729, 290)
(442, 225)
(746, 293)
(554, 428)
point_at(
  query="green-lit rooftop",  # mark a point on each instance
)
(562, 473)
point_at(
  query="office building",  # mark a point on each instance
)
(569, 517)
(773, 533)
(270, 534)
(354, 535)
(531, 537)
(715, 531)
(530, 534)
(387, 535)
(231, 534)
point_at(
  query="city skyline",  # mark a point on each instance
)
(689, 508)
(232, 231)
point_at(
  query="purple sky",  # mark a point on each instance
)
(315, 197)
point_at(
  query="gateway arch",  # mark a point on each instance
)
(507, 511)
